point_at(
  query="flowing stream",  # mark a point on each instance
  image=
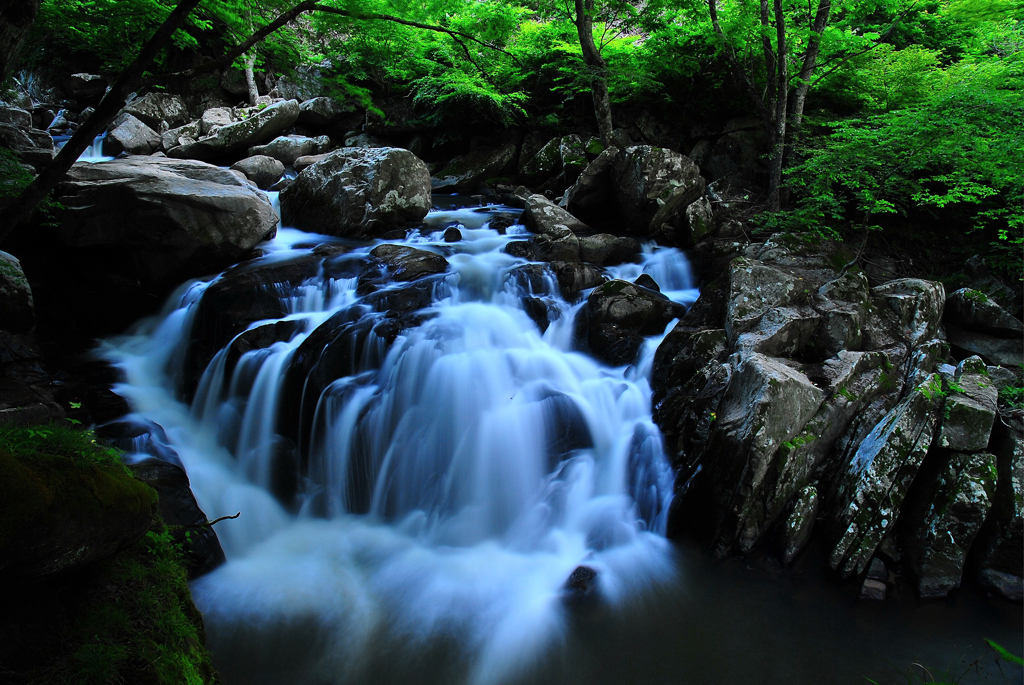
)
(435, 499)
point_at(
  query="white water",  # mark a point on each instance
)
(93, 153)
(484, 461)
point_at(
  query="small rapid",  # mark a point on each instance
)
(415, 487)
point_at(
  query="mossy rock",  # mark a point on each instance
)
(65, 501)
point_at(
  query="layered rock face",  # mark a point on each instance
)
(799, 401)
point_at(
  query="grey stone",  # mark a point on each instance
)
(173, 138)
(32, 147)
(605, 249)
(938, 530)
(15, 116)
(872, 589)
(1001, 552)
(995, 351)
(154, 109)
(467, 172)
(970, 408)
(177, 219)
(214, 118)
(755, 288)
(232, 140)
(543, 165)
(322, 111)
(700, 219)
(976, 311)
(544, 217)
(654, 187)
(407, 264)
(917, 303)
(287, 149)
(132, 136)
(358, 192)
(872, 486)
(800, 523)
(262, 170)
(17, 310)
(573, 153)
(591, 197)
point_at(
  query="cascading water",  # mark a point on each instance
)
(414, 503)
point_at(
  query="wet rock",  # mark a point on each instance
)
(575, 277)
(262, 170)
(654, 187)
(581, 586)
(407, 263)
(159, 110)
(543, 165)
(765, 406)
(646, 281)
(618, 316)
(605, 249)
(800, 524)
(872, 486)
(175, 218)
(302, 162)
(31, 146)
(918, 305)
(17, 310)
(452, 235)
(975, 311)
(173, 137)
(872, 589)
(573, 153)
(544, 217)
(591, 196)
(519, 248)
(180, 511)
(287, 149)
(15, 116)
(59, 515)
(86, 88)
(467, 172)
(551, 249)
(844, 304)
(1000, 556)
(132, 136)
(970, 408)
(233, 139)
(996, 351)
(953, 496)
(358, 193)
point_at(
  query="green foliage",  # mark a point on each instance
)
(14, 178)
(77, 447)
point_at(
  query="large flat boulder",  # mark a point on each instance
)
(233, 140)
(173, 219)
(358, 193)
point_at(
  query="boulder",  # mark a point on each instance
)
(654, 187)
(175, 219)
(59, 515)
(873, 484)
(175, 136)
(17, 312)
(605, 249)
(359, 193)
(32, 147)
(233, 81)
(591, 197)
(85, 88)
(975, 311)
(287, 149)
(15, 116)
(232, 140)
(302, 162)
(618, 316)
(365, 140)
(159, 110)
(754, 289)
(1001, 545)
(573, 153)
(766, 405)
(995, 351)
(575, 277)
(699, 219)
(130, 135)
(262, 170)
(466, 173)
(544, 217)
(402, 263)
(214, 118)
(953, 496)
(917, 304)
(970, 408)
(322, 111)
(543, 165)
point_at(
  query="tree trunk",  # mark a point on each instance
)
(250, 79)
(781, 101)
(108, 108)
(16, 19)
(809, 64)
(598, 69)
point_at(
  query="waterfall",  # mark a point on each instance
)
(411, 485)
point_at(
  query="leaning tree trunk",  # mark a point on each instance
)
(108, 108)
(598, 69)
(810, 63)
(250, 79)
